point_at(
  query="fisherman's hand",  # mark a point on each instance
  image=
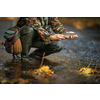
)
(57, 37)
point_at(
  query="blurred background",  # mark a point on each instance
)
(78, 22)
(81, 22)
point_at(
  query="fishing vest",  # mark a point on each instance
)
(45, 22)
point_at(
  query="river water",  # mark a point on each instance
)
(76, 53)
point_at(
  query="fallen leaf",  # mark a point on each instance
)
(88, 71)
(43, 71)
(4, 81)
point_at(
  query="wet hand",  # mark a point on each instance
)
(57, 37)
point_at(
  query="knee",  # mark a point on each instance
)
(59, 46)
(27, 30)
(30, 30)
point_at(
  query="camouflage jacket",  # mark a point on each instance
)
(36, 23)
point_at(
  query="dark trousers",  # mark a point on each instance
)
(30, 38)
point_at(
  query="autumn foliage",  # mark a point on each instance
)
(43, 71)
(89, 71)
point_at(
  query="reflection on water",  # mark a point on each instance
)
(76, 53)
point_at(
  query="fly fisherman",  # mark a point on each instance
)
(36, 33)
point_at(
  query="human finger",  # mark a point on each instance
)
(61, 36)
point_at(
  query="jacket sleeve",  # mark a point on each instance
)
(56, 26)
(36, 24)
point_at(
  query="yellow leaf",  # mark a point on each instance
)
(87, 71)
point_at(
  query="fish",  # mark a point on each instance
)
(68, 35)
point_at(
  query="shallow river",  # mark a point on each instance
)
(76, 53)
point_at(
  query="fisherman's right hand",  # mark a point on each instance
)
(57, 37)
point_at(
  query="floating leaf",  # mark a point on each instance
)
(88, 71)
(4, 81)
(43, 71)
